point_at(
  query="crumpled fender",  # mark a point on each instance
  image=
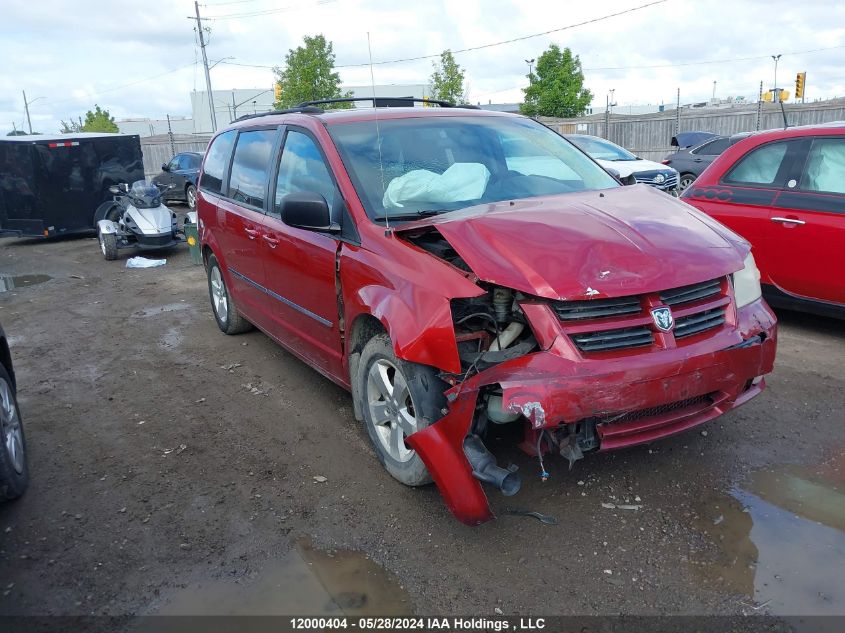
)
(441, 448)
(107, 227)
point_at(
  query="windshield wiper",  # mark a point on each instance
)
(424, 213)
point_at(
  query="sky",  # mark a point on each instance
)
(142, 59)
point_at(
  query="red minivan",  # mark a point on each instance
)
(456, 269)
(784, 191)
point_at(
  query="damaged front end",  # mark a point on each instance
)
(585, 375)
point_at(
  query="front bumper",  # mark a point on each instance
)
(635, 398)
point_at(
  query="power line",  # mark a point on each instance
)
(263, 12)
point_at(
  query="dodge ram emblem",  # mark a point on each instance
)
(663, 319)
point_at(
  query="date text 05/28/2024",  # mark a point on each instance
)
(466, 625)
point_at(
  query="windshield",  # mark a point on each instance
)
(430, 165)
(144, 194)
(600, 149)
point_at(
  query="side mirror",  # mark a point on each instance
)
(165, 167)
(307, 210)
(627, 180)
(114, 189)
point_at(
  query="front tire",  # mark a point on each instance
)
(398, 398)
(191, 197)
(226, 313)
(14, 470)
(108, 245)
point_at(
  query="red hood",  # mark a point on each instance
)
(618, 242)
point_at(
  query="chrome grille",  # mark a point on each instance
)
(596, 309)
(606, 340)
(647, 178)
(701, 322)
(693, 292)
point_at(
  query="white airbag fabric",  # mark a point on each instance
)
(462, 181)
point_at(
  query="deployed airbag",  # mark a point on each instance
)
(462, 181)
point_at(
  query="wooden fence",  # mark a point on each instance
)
(159, 149)
(649, 135)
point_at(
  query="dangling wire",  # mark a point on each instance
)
(544, 476)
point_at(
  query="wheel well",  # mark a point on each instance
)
(365, 327)
(6, 360)
(206, 251)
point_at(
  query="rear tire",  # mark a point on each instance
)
(191, 197)
(108, 245)
(14, 470)
(226, 313)
(398, 398)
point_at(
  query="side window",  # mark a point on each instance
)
(302, 168)
(250, 167)
(216, 162)
(173, 165)
(713, 148)
(824, 170)
(760, 166)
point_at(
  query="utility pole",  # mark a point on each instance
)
(205, 65)
(170, 136)
(26, 107)
(678, 113)
(759, 106)
(775, 89)
(530, 63)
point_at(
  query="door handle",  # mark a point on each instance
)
(788, 220)
(251, 233)
(271, 242)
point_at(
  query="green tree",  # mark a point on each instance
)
(447, 80)
(18, 133)
(309, 75)
(99, 121)
(73, 127)
(557, 87)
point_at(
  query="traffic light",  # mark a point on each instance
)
(767, 96)
(800, 78)
(277, 91)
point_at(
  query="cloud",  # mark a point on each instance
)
(74, 53)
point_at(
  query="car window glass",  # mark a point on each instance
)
(825, 166)
(216, 162)
(173, 165)
(713, 148)
(250, 166)
(302, 168)
(760, 166)
(532, 159)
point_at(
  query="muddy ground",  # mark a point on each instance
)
(173, 471)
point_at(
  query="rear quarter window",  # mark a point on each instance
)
(217, 161)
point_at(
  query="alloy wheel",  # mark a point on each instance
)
(391, 408)
(219, 298)
(11, 425)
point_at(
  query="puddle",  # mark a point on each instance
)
(306, 581)
(172, 339)
(170, 307)
(781, 540)
(18, 282)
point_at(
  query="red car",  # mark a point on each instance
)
(458, 269)
(784, 191)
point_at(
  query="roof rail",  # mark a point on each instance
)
(382, 100)
(301, 109)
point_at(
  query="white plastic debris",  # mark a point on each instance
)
(143, 262)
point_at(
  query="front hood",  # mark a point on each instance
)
(628, 167)
(152, 221)
(621, 241)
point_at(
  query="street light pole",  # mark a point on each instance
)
(530, 63)
(26, 107)
(775, 89)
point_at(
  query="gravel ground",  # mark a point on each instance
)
(173, 470)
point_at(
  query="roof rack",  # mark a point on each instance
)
(382, 100)
(301, 109)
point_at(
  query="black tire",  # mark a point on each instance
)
(226, 313)
(685, 181)
(108, 245)
(427, 404)
(14, 478)
(191, 197)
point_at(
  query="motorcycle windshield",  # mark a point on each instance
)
(144, 194)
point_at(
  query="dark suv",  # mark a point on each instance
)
(457, 269)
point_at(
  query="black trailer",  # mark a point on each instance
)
(54, 185)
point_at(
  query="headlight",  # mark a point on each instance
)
(747, 283)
